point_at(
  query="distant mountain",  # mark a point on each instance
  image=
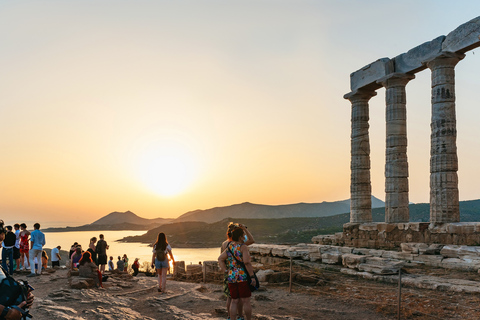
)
(249, 210)
(282, 230)
(116, 221)
(128, 217)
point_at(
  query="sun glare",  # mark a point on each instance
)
(167, 171)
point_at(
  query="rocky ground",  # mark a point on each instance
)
(137, 298)
(323, 294)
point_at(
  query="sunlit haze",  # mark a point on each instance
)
(163, 107)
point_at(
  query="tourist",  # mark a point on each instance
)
(37, 239)
(44, 260)
(88, 269)
(161, 250)
(248, 241)
(236, 276)
(135, 267)
(75, 258)
(92, 249)
(24, 246)
(9, 312)
(111, 266)
(125, 261)
(7, 250)
(16, 248)
(120, 264)
(55, 256)
(72, 249)
(101, 250)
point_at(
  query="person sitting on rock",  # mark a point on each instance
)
(88, 269)
(120, 264)
(75, 258)
(111, 266)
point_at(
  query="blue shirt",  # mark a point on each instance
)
(38, 239)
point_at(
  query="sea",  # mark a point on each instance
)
(133, 250)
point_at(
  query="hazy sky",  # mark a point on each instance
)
(163, 107)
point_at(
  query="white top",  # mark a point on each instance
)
(168, 249)
(53, 255)
(17, 241)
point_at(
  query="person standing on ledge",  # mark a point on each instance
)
(101, 250)
(37, 240)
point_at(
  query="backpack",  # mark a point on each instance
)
(13, 292)
(161, 255)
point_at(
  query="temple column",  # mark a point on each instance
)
(396, 163)
(444, 199)
(360, 186)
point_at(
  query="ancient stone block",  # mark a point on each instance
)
(413, 60)
(279, 250)
(463, 38)
(263, 275)
(368, 76)
(331, 258)
(352, 260)
(380, 265)
(412, 247)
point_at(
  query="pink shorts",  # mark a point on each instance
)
(239, 290)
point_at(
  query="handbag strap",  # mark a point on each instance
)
(234, 257)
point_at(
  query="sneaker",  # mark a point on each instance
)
(32, 275)
(240, 318)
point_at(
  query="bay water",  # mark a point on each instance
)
(133, 250)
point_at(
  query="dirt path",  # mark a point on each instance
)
(137, 298)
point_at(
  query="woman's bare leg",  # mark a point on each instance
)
(233, 309)
(159, 277)
(164, 278)
(247, 308)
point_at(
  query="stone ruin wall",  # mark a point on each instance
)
(440, 55)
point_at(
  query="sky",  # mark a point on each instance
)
(164, 107)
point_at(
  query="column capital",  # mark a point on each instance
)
(360, 95)
(396, 79)
(444, 59)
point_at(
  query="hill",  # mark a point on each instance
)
(282, 230)
(116, 221)
(249, 210)
(128, 217)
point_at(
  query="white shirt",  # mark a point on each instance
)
(53, 255)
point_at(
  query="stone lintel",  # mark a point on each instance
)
(463, 38)
(367, 77)
(413, 60)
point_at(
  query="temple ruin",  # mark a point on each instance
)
(440, 56)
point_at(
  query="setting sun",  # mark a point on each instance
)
(166, 171)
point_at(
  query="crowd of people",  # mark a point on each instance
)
(234, 261)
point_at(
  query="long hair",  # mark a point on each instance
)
(161, 243)
(86, 257)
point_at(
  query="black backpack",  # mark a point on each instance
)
(13, 292)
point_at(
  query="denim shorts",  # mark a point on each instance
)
(161, 264)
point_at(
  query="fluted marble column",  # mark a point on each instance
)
(444, 200)
(396, 163)
(360, 186)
